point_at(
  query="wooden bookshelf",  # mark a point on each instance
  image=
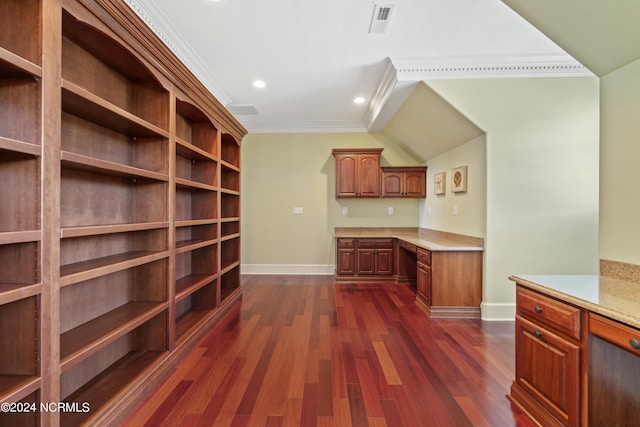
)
(120, 221)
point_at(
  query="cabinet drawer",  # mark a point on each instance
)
(347, 243)
(375, 243)
(540, 308)
(407, 246)
(424, 256)
(621, 335)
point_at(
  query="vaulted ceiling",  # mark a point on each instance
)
(316, 57)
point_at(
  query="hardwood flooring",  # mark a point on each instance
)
(304, 351)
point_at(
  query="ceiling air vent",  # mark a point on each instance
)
(241, 109)
(381, 18)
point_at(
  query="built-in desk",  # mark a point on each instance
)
(445, 268)
(577, 349)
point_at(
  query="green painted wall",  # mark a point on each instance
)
(620, 165)
(283, 171)
(541, 177)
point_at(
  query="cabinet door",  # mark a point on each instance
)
(415, 185)
(547, 368)
(392, 184)
(368, 175)
(346, 175)
(346, 262)
(424, 282)
(366, 262)
(384, 262)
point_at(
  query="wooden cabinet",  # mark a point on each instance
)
(424, 276)
(357, 258)
(548, 359)
(613, 372)
(119, 227)
(346, 257)
(409, 182)
(374, 257)
(450, 283)
(357, 172)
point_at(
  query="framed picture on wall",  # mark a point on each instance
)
(459, 179)
(439, 182)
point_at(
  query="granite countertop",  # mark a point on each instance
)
(431, 240)
(612, 297)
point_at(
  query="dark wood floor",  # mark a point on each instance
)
(304, 351)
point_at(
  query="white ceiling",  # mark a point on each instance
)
(317, 56)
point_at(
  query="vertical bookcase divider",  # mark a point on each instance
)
(120, 219)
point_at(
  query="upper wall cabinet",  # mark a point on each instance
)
(408, 182)
(357, 172)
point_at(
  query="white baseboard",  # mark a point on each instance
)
(310, 269)
(498, 311)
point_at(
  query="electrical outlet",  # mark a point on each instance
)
(390, 210)
(455, 209)
(298, 210)
(345, 210)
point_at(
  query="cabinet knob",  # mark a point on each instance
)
(537, 334)
(634, 343)
(537, 309)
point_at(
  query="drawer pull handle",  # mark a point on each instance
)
(537, 309)
(634, 343)
(537, 334)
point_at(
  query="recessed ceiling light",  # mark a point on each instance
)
(359, 100)
(259, 84)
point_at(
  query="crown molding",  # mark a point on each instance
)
(302, 126)
(403, 73)
(488, 66)
(165, 30)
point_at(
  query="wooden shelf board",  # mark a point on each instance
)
(11, 237)
(103, 388)
(226, 293)
(190, 245)
(190, 151)
(189, 320)
(13, 388)
(79, 161)
(186, 183)
(85, 270)
(230, 219)
(8, 144)
(10, 292)
(230, 237)
(195, 222)
(96, 230)
(228, 266)
(189, 284)
(230, 192)
(228, 165)
(84, 104)
(12, 65)
(83, 341)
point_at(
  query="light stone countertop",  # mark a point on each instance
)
(428, 239)
(611, 297)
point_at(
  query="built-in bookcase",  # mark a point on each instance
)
(20, 206)
(119, 221)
